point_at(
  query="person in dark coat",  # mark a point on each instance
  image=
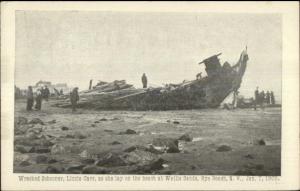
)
(38, 99)
(256, 98)
(268, 97)
(29, 99)
(74, 97)
(272, 98)
(46, 93)
(144, 80)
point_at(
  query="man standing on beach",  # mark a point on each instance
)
(144, 80)
(39, 97)
(46, 93)
(272, 98)
(256, 96)
(74, 97)
(29, 99)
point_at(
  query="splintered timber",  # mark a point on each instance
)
(204, 92)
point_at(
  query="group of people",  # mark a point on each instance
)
(44, 93)
(264, 98)
(41, 93)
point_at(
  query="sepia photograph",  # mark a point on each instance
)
(138, 95)
(147, 93)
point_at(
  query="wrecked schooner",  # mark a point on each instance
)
(206, 92)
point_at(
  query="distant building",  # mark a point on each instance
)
(52, 87)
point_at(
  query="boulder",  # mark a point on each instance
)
(52, 121)
(139, 157)
(70, 136)
(24, 149)
(115, 143)
(51, 161)
(249, 156)
(151, 167)
(41, 149)
(88, 161)
(79, 135)
(111, 160)
(31, 135)
(41, 159)
(75, 169)
(58, 149)
(168, 145)
(185, 137)
(24, 163)
(21, 120)
(64, 128)
(84, 154)
(52, 170)
(129, 132)
(223, 148)
(36, 121)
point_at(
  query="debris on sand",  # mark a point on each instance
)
(224, 148)
(128, 132)
(41, 159)
(64, 128)
(259, 142)
(36, 121)
(168, 145)
(186, 137)
(115, 143)
(84, 154)
(107, 130)
(52, 121)
(176, 122)
(103, 119)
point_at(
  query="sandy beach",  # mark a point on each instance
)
(216, 141)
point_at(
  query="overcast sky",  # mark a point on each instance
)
(73, 47)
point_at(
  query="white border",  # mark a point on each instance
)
(290, 97)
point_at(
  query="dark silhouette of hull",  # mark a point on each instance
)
(206, 92)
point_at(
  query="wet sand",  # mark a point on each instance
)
(100, 132)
